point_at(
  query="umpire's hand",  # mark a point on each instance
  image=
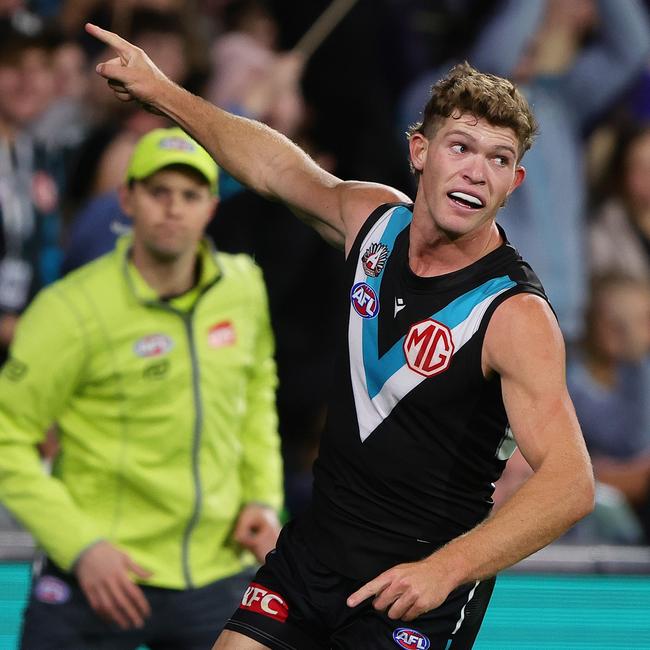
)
(257, 529)
(104, 574)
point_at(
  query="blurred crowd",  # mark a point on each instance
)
(582, 218)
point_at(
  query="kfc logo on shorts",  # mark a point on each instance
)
(428, 347)
(410, 639)
(364, 300)
(51, 590)
(222, 335)
(260, 600)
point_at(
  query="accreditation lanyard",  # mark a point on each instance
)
(18, 221)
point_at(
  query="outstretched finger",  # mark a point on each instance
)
(119, 44)
(371, 588)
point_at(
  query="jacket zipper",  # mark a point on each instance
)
(196, 445)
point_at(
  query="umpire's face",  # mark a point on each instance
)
(170, 210)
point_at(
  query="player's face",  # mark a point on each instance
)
(468, 170)
(170, 211)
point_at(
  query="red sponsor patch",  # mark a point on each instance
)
(428, 347)
(222, 335)
(260, 600)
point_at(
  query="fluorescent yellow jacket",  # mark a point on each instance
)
(166, 416)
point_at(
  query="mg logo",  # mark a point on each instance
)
(428, 347)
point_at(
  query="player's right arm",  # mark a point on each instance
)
(256, 155)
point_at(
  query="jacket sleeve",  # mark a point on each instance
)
(36, 383)
(262, 477)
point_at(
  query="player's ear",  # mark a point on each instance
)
(418, 147)
(520, 174)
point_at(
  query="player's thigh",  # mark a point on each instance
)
(229, 640)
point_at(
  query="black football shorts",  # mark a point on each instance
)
(297, 603)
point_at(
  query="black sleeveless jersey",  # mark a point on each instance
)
(416, 435)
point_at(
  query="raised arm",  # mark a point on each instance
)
(524, 345)
(256, 155)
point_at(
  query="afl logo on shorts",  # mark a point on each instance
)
(410, 639)
(428, 347)
(364, 300)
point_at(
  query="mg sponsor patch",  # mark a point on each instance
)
(410, 639)
(51, 590)
(428, 347)
(261, 600)
(374, 259)
(364, 299)
(222, 335)
(153, 345)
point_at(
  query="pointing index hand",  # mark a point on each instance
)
(132, 75)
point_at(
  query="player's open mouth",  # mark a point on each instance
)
(466, 200)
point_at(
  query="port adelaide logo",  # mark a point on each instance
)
(365, 300)
(374, 259)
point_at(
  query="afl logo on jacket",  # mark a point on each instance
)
(153, 345)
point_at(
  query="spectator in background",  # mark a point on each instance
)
(619, 235)
(102, 159)
(571, 59)
(157, 363)
(250, 76)
(30, 178)
(66, 121)
(608, 382)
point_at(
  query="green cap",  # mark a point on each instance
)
(164, 147)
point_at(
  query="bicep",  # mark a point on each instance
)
(524, 345)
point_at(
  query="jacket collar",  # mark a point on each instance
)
(210, 272)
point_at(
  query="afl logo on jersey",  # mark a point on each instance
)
(410, 639)
(428, 347)
(374, 259)
(364, 300)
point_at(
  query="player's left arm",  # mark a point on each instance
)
(523, 344)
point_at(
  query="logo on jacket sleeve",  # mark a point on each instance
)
(374, 259)
(153, 345)
(261, 600)
(51, 590)
(364, 300)
(222, 335)
(428, 347)
(410, 639)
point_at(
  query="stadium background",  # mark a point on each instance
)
(354, 87)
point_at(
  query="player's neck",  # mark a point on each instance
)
(432, 252)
